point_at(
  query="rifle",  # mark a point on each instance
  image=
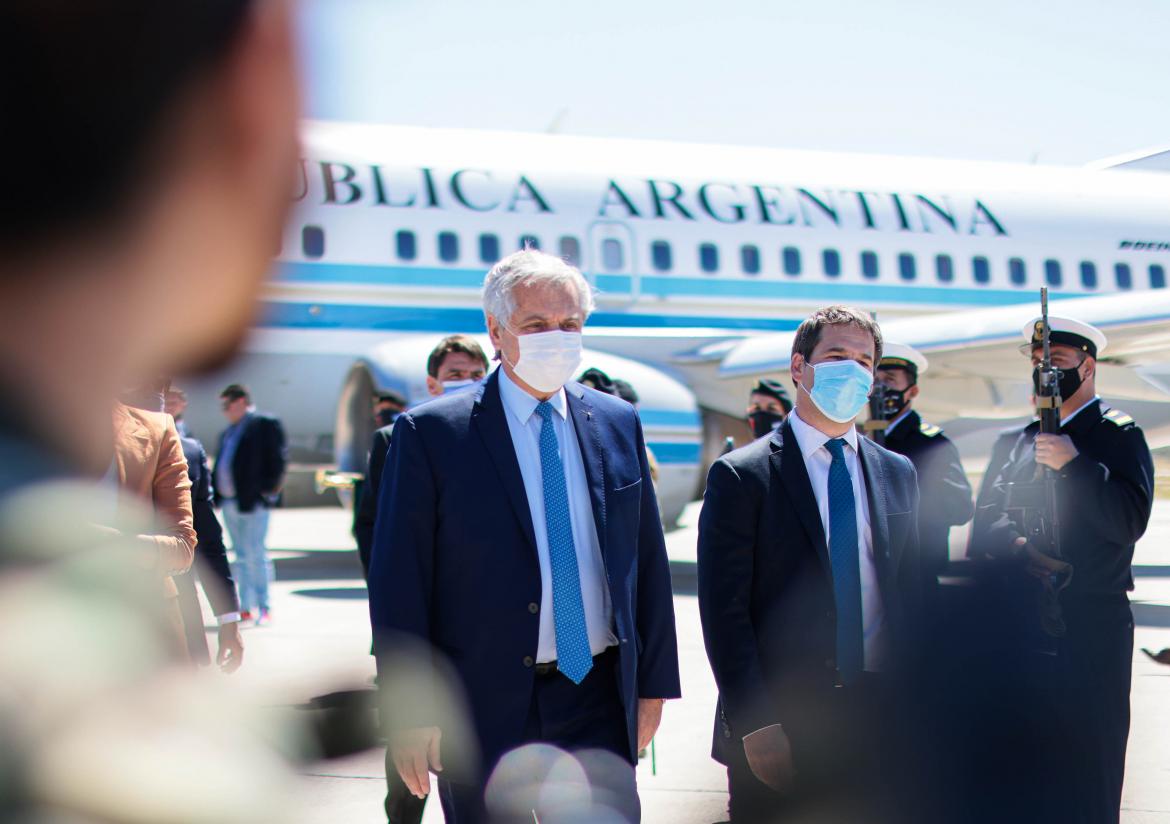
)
(881, 412)
(1037, 501)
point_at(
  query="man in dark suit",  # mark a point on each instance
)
(808, 581)
(211, 560)
(249, 470)
(518, 534)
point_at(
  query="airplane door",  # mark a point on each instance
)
(612, 265)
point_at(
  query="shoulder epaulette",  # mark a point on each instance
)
(929, 429)
(1117, 417)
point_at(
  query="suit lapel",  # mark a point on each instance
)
(875, 493)
(487, 417)
(789, 464)
(592, 455)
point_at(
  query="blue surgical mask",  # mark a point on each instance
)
(840, 389)
(458, 386)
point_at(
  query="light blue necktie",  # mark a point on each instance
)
(574, 657)
(843, 557)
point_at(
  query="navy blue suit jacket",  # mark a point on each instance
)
(454, 559)
(766, 585)
(259, 463)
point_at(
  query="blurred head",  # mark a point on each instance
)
(175, 403)
(235, 401)
(388, 405)
(834, 335)
(456, 362)
(530, 294)
(154, 157)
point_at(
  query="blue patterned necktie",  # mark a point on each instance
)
(843, 556)
(574, 657)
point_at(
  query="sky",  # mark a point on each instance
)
(1047, 81)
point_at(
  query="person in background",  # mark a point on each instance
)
(768, 406)
(388, 405)
(249, 471)
(518, 535)
(175, 405)
(594, 378)
(946, 493)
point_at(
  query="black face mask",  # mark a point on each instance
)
(892, 401)
(764, 422)
(1068, 382)
(386, 417)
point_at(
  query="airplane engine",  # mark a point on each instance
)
(670, 415)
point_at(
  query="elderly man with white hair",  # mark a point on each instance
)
(518, 536)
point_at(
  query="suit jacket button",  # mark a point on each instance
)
(528, 662)
(534, 607)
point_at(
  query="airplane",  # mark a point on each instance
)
(705, 259)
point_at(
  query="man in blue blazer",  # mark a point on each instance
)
(518, 535)
(808, 585)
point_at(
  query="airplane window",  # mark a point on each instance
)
(489, 248)
(791, 257)
(944, 268)
(660, 255)
(611, 254)
(1017, 274)
(313, 241)
(1052, 272)
(980, 270)
(869, 265)
(749, 257)
(832, 262)
(529, 242)
(906, 266)
(708, 257)
(571, 250)
(1124, 276)
(1157, 276)
(1088, 274)
(404, 241)
(448, 247)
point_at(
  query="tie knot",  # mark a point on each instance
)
(544, 409)
(836, 447)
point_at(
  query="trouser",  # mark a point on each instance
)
(248, 531)
(578, 718)
(845, 755)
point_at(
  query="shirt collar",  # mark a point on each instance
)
(521, 405)
(811, 439)
(1078, 410)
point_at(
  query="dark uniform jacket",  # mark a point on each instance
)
(259, 462)
(367, 507)
(1105, 496)
(945, 493)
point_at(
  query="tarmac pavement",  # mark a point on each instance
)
(318, 641)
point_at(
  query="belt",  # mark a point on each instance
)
(549, 668)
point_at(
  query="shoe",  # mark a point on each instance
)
(263, 617)
(245, 615)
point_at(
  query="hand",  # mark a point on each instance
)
(770, 757)
(415, 752)
(1162, 657)
(1054, 451)
(231, 647)
(649, 717)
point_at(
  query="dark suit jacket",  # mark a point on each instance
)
(766, 587)
(455, 560)
(367, 509)
(210, 554)
(259, 463)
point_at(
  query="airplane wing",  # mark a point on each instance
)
(976, 367)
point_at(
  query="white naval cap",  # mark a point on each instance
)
(1067, 331)
(907, 357)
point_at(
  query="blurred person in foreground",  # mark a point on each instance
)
(808, 585)
(211, 562)
(519, 535)
(456, 363)
(156, 146)
(249, 471)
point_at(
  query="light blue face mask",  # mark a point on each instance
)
(840, 389)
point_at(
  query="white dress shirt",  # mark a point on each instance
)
(817, 461)
(524, 426)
